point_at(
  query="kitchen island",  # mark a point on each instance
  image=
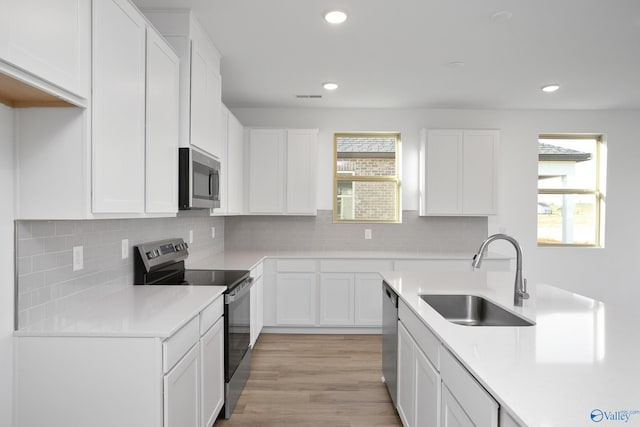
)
(577, 366)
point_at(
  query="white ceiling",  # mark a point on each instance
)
(398, 54)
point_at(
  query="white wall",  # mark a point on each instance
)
(6, 264)
(607, 274)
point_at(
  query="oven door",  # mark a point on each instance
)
(237, 311)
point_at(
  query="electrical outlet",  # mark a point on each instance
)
(190, 237)
(367, 233)
(78, 262)
(125, 248)
(213, 232)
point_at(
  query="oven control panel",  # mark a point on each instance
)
(155, 254)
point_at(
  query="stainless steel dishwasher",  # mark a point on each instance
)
(390, 340)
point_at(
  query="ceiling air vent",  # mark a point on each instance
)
(308, 96)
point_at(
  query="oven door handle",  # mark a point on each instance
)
(239, 291)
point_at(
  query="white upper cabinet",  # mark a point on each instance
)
(235, 165)
(119, 158)
(265, 171)
(458, 170)
(49, 39)
(281, 171)
(118, 121)
(302, 157)
(206, 106)
(200, 80)
(162, 126)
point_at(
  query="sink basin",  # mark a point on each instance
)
(472, 310)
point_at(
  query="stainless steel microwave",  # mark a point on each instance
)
(199, 180)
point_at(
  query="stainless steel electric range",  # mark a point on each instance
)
(162, 263)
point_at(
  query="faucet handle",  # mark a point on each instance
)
(523, 292)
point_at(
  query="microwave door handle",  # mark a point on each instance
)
(210, 183)
(216, 185)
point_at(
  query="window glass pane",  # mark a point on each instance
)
(366, 155)
(366, 201)
(567, 219)
(567, 163)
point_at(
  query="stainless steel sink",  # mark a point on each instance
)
(472, 310)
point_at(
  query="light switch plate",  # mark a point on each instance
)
(367, 233)
(190, 236)
(213, 232)
(78, 262)
(125, 248)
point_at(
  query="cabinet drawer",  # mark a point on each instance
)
(356, 266)
(296, 265)
(211, 314)
(423, 336)
(177, 345)
(475, 400)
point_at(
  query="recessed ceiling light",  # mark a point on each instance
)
(330, 86)
(335, 17)
(456, 64)
(503, 15)
(550, 88)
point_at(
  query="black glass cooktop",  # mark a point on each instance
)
(228, 278)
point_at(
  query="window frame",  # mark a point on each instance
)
(354, 178)
(596, 192)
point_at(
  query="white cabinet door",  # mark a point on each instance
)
(406, 377)
(459, 172)
(452, 413)
(443, 173)
(162, 126)
(480, 172)
(336, 299)
(235, 165)
(206, 103)
(182, 392)
(118, 125)
(257, 310)
(49, 39)
(368, 299)
(212, 355)
(296, 299)
(265, 171)
(427, 389)
(302, 158)
(224, 164)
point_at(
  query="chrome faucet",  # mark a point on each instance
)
(520, 287)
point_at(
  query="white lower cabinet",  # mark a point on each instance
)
(256, 322)
(452, 413)
(212, 355)
(181, 391)
(133, 381)
(434, 389)
(368, 299)
(296, 299)
(418, 384)
(336, 299)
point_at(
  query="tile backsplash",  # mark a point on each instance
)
(44, 269)
(319, 233)
(44, 249)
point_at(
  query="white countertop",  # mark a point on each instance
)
(582, 354)
(245, 260)
(135, 311)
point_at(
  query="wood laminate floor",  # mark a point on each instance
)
(315, 381)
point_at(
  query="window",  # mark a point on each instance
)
(570, 196)
(366, 179)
